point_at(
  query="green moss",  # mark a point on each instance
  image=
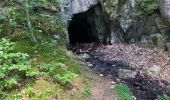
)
(41, 89)
(124, 92)
(24, 47)
(121, 2)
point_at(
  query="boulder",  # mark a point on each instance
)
(126, 74)
(154, 70)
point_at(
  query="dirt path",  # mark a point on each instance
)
(103, 90)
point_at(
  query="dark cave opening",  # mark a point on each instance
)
(80, 30)
(83, 27)
(91, 26)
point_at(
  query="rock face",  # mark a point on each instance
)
(78, 6)
(117, 21)
(144, 28)
(126, 14)
(165, 9)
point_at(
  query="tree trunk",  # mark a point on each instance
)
(165, 9)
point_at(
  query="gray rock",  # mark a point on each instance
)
(165, 9)
(116, 32)
(154, 70)
(145, 39)
(126, 12)
(55, 36)
(85, 56)
(78, 6)
(126, 74)
(90, 65)
(115, 38)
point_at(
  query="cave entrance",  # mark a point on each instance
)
(86, 27)
(80, 30)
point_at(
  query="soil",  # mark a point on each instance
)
(103, 90)
(107, 60)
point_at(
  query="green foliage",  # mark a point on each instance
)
(148, 6)
(32, 18)
(124, 92)
(14, 67)
(58, 71)
(66, 78)
(163, 97)
(29, 92)
(87, 91)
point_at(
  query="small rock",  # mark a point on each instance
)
(55, 36)
(112, 86)
(85, 56)
(126, 74)
(90, 65)
(134, 98)
(154, 70)
(101, 75)
(112, 82)
(113, 65)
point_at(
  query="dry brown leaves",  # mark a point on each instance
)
(143, 57)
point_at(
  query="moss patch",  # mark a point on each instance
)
(42, 89)
(124, 92)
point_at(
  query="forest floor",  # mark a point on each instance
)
(152, 69)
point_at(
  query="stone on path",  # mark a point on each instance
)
(126, 74)
(154, 70)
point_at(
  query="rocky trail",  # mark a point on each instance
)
(145, 71)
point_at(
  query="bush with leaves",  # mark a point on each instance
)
(58, 72)
(31, 19)
(14, 66)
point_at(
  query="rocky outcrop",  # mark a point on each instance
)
(78, 6)
(91, 13)
(145, 28)
(71, 7)
(118, 21)
(165, 9)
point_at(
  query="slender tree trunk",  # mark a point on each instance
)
(26, 8)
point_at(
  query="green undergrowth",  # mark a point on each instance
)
(123, 91)
(54, 73)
